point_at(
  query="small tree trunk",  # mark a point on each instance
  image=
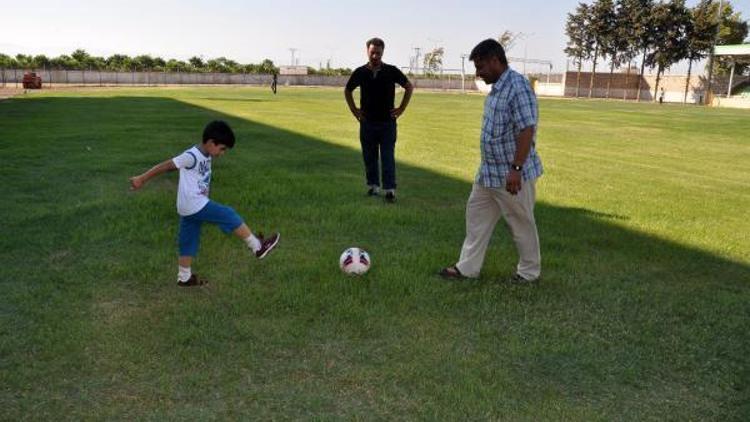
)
(656, 87)
(625, 88)
(640, 77)
(609, 81)
(687, 83)
(593, 72)
(578, 77)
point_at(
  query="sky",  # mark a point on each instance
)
(319, 30)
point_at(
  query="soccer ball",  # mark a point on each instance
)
(355, 261)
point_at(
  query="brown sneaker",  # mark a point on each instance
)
(267, 245)
(193, 281)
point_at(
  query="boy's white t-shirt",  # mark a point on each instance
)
(195, 179)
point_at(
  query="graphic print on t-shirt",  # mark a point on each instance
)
(204, 168)
(195, 180)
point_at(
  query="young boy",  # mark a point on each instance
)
(193, 204)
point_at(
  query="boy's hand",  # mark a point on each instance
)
(136, 183)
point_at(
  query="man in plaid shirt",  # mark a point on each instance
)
(505, 182)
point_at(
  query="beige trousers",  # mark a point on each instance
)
(483, 210)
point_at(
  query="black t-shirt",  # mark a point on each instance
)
(378, 90)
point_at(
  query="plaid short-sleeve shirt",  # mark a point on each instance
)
(509, 108)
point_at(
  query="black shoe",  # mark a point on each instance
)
(517, 279)
(390, 197)
(194, 280)
(373, 192)
(267, 245)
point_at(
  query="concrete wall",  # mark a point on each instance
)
(80, 77)
(733, 102)
(84, 77)
(626, 86)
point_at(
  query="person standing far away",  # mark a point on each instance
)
(505, 182)
(274, 82)
(377, 116)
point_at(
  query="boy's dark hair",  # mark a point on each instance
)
(377, 42)
(220, 132)
(488, 48)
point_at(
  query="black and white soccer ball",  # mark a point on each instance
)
(355, 261)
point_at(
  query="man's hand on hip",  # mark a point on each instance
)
(397, 112)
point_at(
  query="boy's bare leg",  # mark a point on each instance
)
(185, 261)
(243, 231)
(259, 247)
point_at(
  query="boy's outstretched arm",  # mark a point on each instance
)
(137, 182)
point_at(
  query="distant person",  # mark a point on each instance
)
(274, 82)
(377, 116)
(193, 204)
(661, 95)
(505, 182)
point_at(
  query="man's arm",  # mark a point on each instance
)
(523, 147)
(397, 112)
(137, 182)
(352, 107)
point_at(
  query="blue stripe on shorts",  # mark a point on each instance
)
(190, 226)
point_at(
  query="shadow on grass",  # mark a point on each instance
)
(240, 100)
(623, 324)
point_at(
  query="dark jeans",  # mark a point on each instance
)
(379, 137)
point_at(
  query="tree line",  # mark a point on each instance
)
(656, 34)
(81, 60)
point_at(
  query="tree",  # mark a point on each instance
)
(119, 62)
(640, 19)
(626, 16)
(7, 62)
(732, 30)
(143, 62)
(159, 64)
(176, 66)
(600, 27)
(64, 62)
(433, 61)
(267, 66)
(508, 39)
(81, 57)
(40, 60)
(197, 63)
(671, 25)
(580, 44)
(616, 46)
(700, 36)
(24, 61)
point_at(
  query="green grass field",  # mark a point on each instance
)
(643, 311)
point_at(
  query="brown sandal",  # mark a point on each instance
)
(451, 272)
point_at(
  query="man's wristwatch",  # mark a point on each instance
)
(516, 167)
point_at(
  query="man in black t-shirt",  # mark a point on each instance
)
(377, 116)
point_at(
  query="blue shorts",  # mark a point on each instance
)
(190, 226)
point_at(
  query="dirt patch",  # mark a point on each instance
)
(7, 92)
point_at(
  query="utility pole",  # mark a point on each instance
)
(711, 54)
(293, 50)
(416, 60)
(463, 73)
